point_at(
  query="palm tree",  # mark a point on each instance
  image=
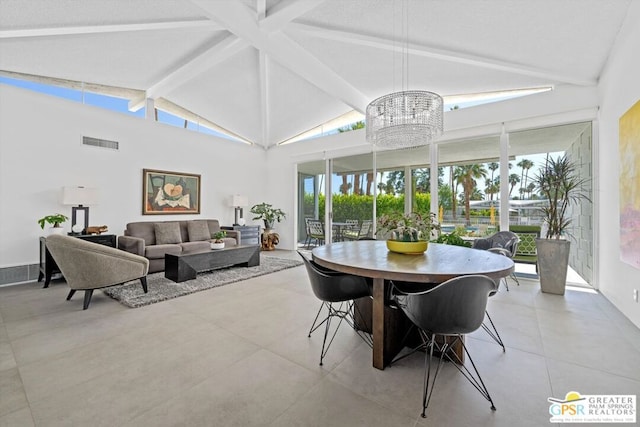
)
(422, 180)
(467, 177)
(369, 182)
(525, 164)
(514, 179)
(493, 167)
(530, 189)
(528, 164)
(455, 175)
(395, 180)
(477, 194)
(344, 188)
(356, 184)
(491, 188)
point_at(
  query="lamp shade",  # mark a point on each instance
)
(239, 201)
(79, 196)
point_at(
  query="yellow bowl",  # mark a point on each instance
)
(409, 248)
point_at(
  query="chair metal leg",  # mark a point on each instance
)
(87, 298)
(346, 315)
(474, 379)
(493, 334)
(143, 282)
(71, 292)
(428, 392)
(332, 313)
(444, 349)
(515, 278)
(313, 325)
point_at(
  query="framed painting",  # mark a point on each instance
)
(166, 193)
(630, 186)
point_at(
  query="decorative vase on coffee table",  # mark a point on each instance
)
(217, 245)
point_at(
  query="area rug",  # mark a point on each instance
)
(161, 289)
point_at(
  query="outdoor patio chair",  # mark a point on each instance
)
(363, 232)
(503, 243)
(316, 232)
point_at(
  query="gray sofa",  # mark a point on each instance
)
(154, 239)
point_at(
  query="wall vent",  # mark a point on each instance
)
(97, 142)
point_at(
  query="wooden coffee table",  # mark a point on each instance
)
(185, 266)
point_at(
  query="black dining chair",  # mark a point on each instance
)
(337, 291)
(493, 331)
(443, 315)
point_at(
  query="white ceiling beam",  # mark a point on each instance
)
(203, 61)
(264, 98)
(441, 54)
(286, 11)
(92, 29)
(261, 9)
(241, 21)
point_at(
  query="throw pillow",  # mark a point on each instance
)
(167, 233)
(198, 231)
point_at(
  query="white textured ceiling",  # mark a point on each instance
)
(268, 70)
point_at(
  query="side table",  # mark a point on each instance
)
(48, 266)
(249, 234)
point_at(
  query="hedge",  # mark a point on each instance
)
(353, 206)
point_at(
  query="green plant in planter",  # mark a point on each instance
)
(268, 214)
(55, 220)
(218, 237)
(562, 186)
(412, 227)
(560, 183)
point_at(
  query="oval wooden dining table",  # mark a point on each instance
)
(372, 259)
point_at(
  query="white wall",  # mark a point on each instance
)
(41, 151)
(619, 89)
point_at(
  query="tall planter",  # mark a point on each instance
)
(553, 263)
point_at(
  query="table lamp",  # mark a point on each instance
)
(238, 202)
(78, 197)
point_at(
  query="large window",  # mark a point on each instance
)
(469, 183)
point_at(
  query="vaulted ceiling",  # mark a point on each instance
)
(269, 70)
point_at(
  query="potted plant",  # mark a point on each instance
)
(268, 214)
(561, 185)
(218, 239)
(55, 220)
(408, 233)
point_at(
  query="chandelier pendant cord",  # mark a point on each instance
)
(407, 118)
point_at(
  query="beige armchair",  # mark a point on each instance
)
(88, 266)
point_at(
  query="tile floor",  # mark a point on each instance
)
(239, 355)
